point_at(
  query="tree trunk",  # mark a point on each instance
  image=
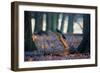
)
(62, 23)
(84, 46)
(38, 21)
(29, 44)
(51, 21)
(27, 31)
(48, 21)
(70, 23)
(54, 21)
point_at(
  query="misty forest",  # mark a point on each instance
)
(56, 36)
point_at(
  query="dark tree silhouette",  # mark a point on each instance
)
(70, 23)
(84, 46)
(29, 45)
(51, 21)
(54, 21)
(38, 21)
(48, 21)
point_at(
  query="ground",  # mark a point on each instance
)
(58, 57)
